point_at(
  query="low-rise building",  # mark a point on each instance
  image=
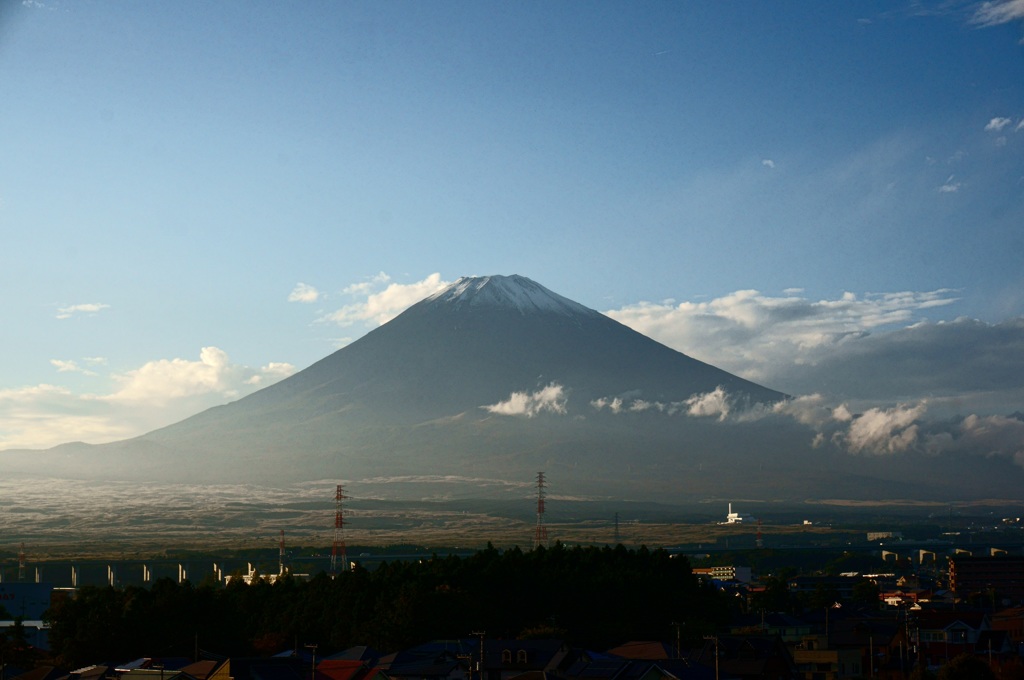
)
(997, 577)
(725, 573)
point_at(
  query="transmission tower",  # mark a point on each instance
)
(280, 555)
(339, 532)
(21, 563)
(540, 537)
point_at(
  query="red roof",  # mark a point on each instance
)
(345, 669)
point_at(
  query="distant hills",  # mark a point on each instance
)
(472, 391)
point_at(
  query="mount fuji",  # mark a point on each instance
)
(484, 384)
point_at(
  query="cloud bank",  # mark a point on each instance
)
(758, 336)
(872, 350)
(877, 431)
(156, 394)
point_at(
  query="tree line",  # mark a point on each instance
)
(594, 597)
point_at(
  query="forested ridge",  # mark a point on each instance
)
(589, 596)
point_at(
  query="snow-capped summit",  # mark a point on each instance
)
(516, 292)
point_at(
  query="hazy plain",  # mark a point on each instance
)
(59, 518)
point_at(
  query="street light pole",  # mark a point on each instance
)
(480, 663)
(715, 639)
(312, 670)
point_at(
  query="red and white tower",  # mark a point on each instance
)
(540, 536)
(338, 551)
(21, 563)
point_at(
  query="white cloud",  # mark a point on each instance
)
(164, 380)
(758, 336)
(303, 292)
(997, 124)
(550, 399)
(847, 349)
(879, 430)
(87, 308)
(700, 404)
(41, 416)
(613, 404)
(367, 287)
(998, 12)
(810, 409)
(380, 306)
(984, 435)
(950, 187)
(1020, 126)
(271, 373)
(961, 366)
(711, 404)
(69, 366)
(157, 394)
(768, 163)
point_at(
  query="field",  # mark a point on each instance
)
(62, 519)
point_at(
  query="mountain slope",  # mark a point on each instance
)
(478, 387)
(470, 346)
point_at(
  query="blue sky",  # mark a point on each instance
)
(200, 198)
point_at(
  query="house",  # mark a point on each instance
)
(348, 669)
(154, 674)
(205, 670)
(790, 628)
(37, 673)
(816, 659)
(369, 655)
(1012, 621)
(598, 667)
(504, 659)
(259, 668)
(436, 660)
(644, 650)
(839, 587)
(944, 635)
(764, 657)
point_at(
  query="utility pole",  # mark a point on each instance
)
(714, 638)
(540, 536)
(338, 551)
(480, 663)
(312, 670)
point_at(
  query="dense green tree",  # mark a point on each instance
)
(966, 667)
(14, 646)
(593, 596)
(776, 596)
(866, 592)
(921, 672)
